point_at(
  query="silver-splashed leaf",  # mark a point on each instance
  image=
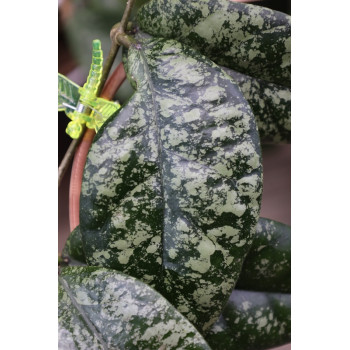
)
(252, 321)
(247, 38)
(172, 185)
(271, 105)
(105, 309)
(73, 251)
(267, 267)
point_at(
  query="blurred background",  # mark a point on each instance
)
(81, 21)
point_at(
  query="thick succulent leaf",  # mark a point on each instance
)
(73, 251)
(247, 38)
(252, 321)
(68, 94)
(267, 266)
(271, 105)
(172, 185)
(104, 309)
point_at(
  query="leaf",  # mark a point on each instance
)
(68, 93)
(247, 38)
(271, 105)
(73, 249)
(267, 266)
(105, 309)
(172, 185)
(252, 321)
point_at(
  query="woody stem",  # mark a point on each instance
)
(117, 30)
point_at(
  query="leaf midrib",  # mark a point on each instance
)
(160, 153)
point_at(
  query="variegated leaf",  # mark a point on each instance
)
(73, 251)
(172, 185)
(267, 266)
(247, 38)
(271, 105)
(252, 321)
(68, 94)
(105, 309)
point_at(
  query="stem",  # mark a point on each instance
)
(117, 30)
(67, 159)
(111, 86)
(108, 65)
(118, 38)
(81, 154)
(76, 178)
(113, 83)
(124, 39)
(126, 14)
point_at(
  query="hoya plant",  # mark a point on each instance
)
(168, 249)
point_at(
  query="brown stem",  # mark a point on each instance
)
(107, 93)
(114, 82)
(126, 14)
(111, 86)
(117, 30)
(67, 159)
(77, 177)
(108, 65)
(124, 40)
(117, 33)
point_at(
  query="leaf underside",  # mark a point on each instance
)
(172, 184)
(247, 38)
(104, 309)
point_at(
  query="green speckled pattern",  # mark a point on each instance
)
(247, 38)
(271, 105)
(104, 309)
(267, 266)
(73, 249)
(252, 321)
(172, 185)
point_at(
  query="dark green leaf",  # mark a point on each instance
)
(104, 309)
(247, 38)
(267, 266)
(73, 249)
(252, 321)
(270, 103)
(172, 185)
